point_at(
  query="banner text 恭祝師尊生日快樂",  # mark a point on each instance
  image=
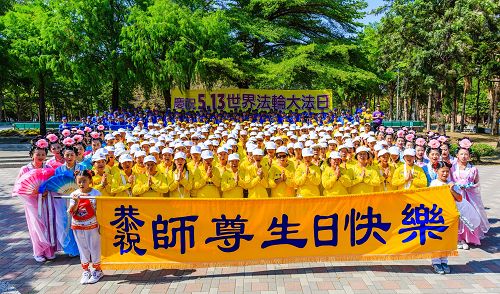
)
(252, 99)
(142, 233)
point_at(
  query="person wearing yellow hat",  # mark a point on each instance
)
(409, 175)
(180, 180)
(335, 178)
(281, 176)
(256, 176)
(206, 178)
(307, 176)
(385, 170)
(123, 182)
(151, 183)
(365, 179)
(232, 179)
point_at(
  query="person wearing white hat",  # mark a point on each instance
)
(232, 179)
(180, 179)
(297, 150)
(365, 179)
(221, 161)
(409, 175)
(139, 167)
(111, 165)
(167, 162)
(395, 157)
(256, 176)
(101, 180)
(335, 178)
(385, 170)
(195, 158)
(270, 157)
(124, 181)
(281, 175)
(206, 178)
(152, 183)
(307, 176)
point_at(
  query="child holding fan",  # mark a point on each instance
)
(85, 227)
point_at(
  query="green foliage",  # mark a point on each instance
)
(477, 150)
(19, 133)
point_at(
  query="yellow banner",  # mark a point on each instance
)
(252, 99)
(141, 233)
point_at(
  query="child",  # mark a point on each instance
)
(85, 227)
(440, 265)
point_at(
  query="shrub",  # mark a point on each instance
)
(477, 150)
(19, 133)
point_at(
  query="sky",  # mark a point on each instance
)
(372, 4)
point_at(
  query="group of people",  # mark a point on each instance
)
(238, 159)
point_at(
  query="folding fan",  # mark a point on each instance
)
(63, 184)
(55, 164)
(30, 182)
(85, 164)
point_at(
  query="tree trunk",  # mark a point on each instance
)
(41, 105)
(167, 98)
(429, 106)
(391, 103)
(454, 107)
(493, 95)
(115, 94)
(439, 112)
(467, 84)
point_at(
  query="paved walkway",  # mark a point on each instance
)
(474, 271)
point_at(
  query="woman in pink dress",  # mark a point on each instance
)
(467, 177)
(40, 227)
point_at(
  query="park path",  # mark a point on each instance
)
(474, 271)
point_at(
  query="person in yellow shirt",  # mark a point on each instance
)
(307, 176)
(206, 179)
(167, 163)
(364, 177)
(270, 157)
(111, 163)
(152, 183)
(180, 180)
(232, 180)
(334, 178)
(196, 158)
(409, 175)
(123, 182)
(394, 160)
(385, 170)
(281, 176)
(101, 180)
(139, 167)
(222, 163)
(256, 176)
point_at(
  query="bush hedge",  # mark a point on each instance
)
(19, 133)
(477, 150)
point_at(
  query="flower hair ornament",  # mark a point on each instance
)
(400, 134)
(95, 135)
(389, 131)
(381, 128)
(80, 132)
(78, 138)
(442, 139)
(465, 143)
(87, 129)
(68, 141)
(410, 137)
(52, 138)
(42, 144)
(100, 128)
(66, 133)
(434, 144)
(420, 142)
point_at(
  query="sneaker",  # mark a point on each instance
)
(51, 257)
(85, 277)
(96, 276)
(460, 245)
(465, 246)
(438, 269)
(40, 258)
(446, 268)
